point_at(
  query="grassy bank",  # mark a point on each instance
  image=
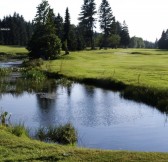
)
(141, 73)
(12, 52)
(139, 67)
(13, 148)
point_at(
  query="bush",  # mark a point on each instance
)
(33, 74)
(63, 134)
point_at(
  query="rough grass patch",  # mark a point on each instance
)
(19, 130)
(33, 63)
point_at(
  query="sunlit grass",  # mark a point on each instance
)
(146, 67)
(13, 49)
(13, 148)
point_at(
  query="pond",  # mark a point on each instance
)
(10, 64)
(103, 119)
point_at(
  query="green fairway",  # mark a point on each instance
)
(12, 49)
(138, 67)
(14, 148)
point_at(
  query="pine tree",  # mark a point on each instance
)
(44, 42)
(1, 33)
(125, 38)
(163, 41)
(73, 41)
(105, 17)
(59, 26)
(67, 25)
(42, 12)
(29, 30)
(80, 39)
(87, 20)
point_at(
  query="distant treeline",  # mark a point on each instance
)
(14, 30)
(137, 42)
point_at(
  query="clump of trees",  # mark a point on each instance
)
(113, 33)
(136, 42)
(44, 42)
(47, 34)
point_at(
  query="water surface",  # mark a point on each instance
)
(103, 119)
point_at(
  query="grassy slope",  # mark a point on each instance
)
(14, 148)
(150, 66)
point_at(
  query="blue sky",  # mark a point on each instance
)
(145, 18)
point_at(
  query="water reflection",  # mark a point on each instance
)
(46, 110)
(15, 85)
(10, 64)
(103, 119)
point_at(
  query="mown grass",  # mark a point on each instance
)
(12, 49)
(12, 52)
(147, 68)
(13, 148)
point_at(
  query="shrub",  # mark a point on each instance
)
(66, 134)
(63, 134)
(33, 74)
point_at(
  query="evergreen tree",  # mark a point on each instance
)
(42, 12)
(67, 26)
(163, 41)
(80, 39)
(44, 42)
(22, 32)
(125, 38)
(29, 30)
(73, 36)
(105, 18)
(87, 21)
(59, 26)
(1, 33)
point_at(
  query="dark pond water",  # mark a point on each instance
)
(102, 118)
